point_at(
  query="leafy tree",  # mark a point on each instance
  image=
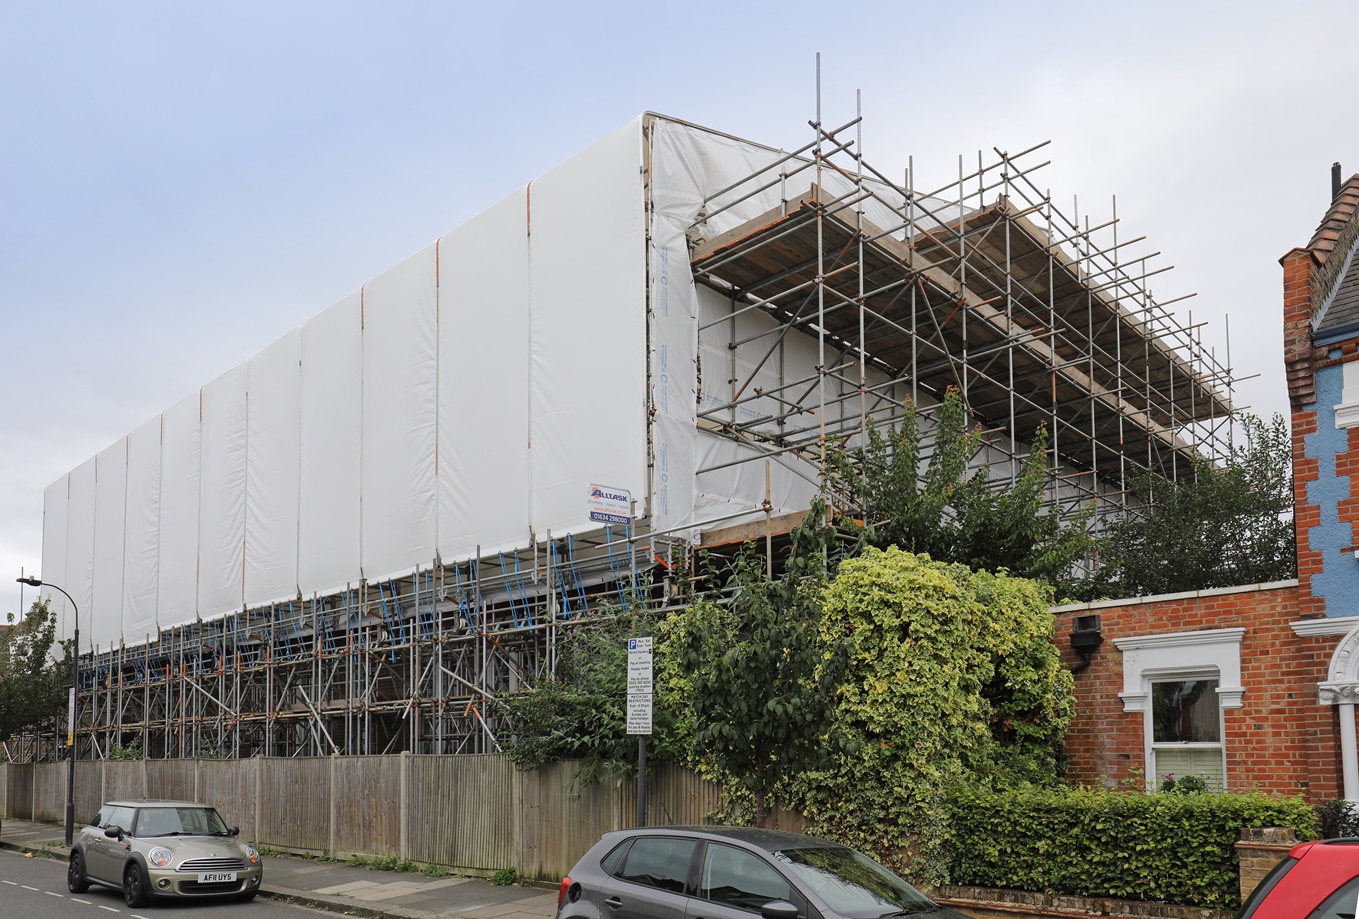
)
(1011, 529)
(905, 500)
(949, 677)
(1220, 526)
(757, 674)
(580, 712)
(133, 751)
(937, 508)
(33, 686)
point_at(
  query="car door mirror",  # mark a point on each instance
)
(779, 909)
(114, 832)
(233, 831)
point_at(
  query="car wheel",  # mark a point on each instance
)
(134, 885)
(247, 897)
(76, 882)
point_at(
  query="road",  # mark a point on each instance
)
(36, 889)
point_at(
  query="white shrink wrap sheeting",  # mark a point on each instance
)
(740, 374)
(54, 506)
(181, 450)
(106, 613)
(674, 339)
(80, 542)
(687, 166)
(221, 535)
(690, 162)
(141, 546)
(587, 397)
(483, 382)
(468, 397)
(273, 407)
(331, 448)
(400, 348)
(736, 488)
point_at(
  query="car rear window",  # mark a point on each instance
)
(659, 861)
(610, 862)
(1340, 905)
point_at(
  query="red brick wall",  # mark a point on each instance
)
(1306, 515)
(1300, 369)
(1298, 266)
(1282, 740)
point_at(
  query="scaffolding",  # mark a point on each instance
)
(971, 287)
(413, 663)
(1039, 318)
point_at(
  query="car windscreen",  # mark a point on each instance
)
(179, 821)
(852, 884)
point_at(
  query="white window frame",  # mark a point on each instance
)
(1210, 653)
(1347, 412)
(1149, 726)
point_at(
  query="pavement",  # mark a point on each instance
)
(340, 888)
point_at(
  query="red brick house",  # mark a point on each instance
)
(1252, 687)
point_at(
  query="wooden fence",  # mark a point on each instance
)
(475, 813)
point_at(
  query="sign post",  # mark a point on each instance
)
(639, 711)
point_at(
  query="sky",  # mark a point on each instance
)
(183, 183)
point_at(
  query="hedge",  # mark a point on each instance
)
(1170, 848)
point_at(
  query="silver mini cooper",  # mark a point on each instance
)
(163, 849)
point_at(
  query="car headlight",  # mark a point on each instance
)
(159, 856)
(251, 855)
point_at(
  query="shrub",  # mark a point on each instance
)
(1338, 818)
(1184, 785)
(128, 752)
(952, 679)
(1173, 848)
(579, 714)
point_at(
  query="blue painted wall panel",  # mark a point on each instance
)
(1338, 583)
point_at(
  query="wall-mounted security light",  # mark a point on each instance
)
(1086, 636)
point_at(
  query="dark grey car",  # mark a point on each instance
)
(733, 873)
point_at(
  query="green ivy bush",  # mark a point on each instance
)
(1172, 848)
(951, 678)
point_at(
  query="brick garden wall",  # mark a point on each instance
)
(1282, 740)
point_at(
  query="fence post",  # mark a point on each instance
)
(259, 828)
(518, 798)
(404, 849)
(333, 761)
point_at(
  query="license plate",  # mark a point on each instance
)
(216, 877)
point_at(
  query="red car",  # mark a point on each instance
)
(1317, 880)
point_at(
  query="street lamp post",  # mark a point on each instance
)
(70, 729)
